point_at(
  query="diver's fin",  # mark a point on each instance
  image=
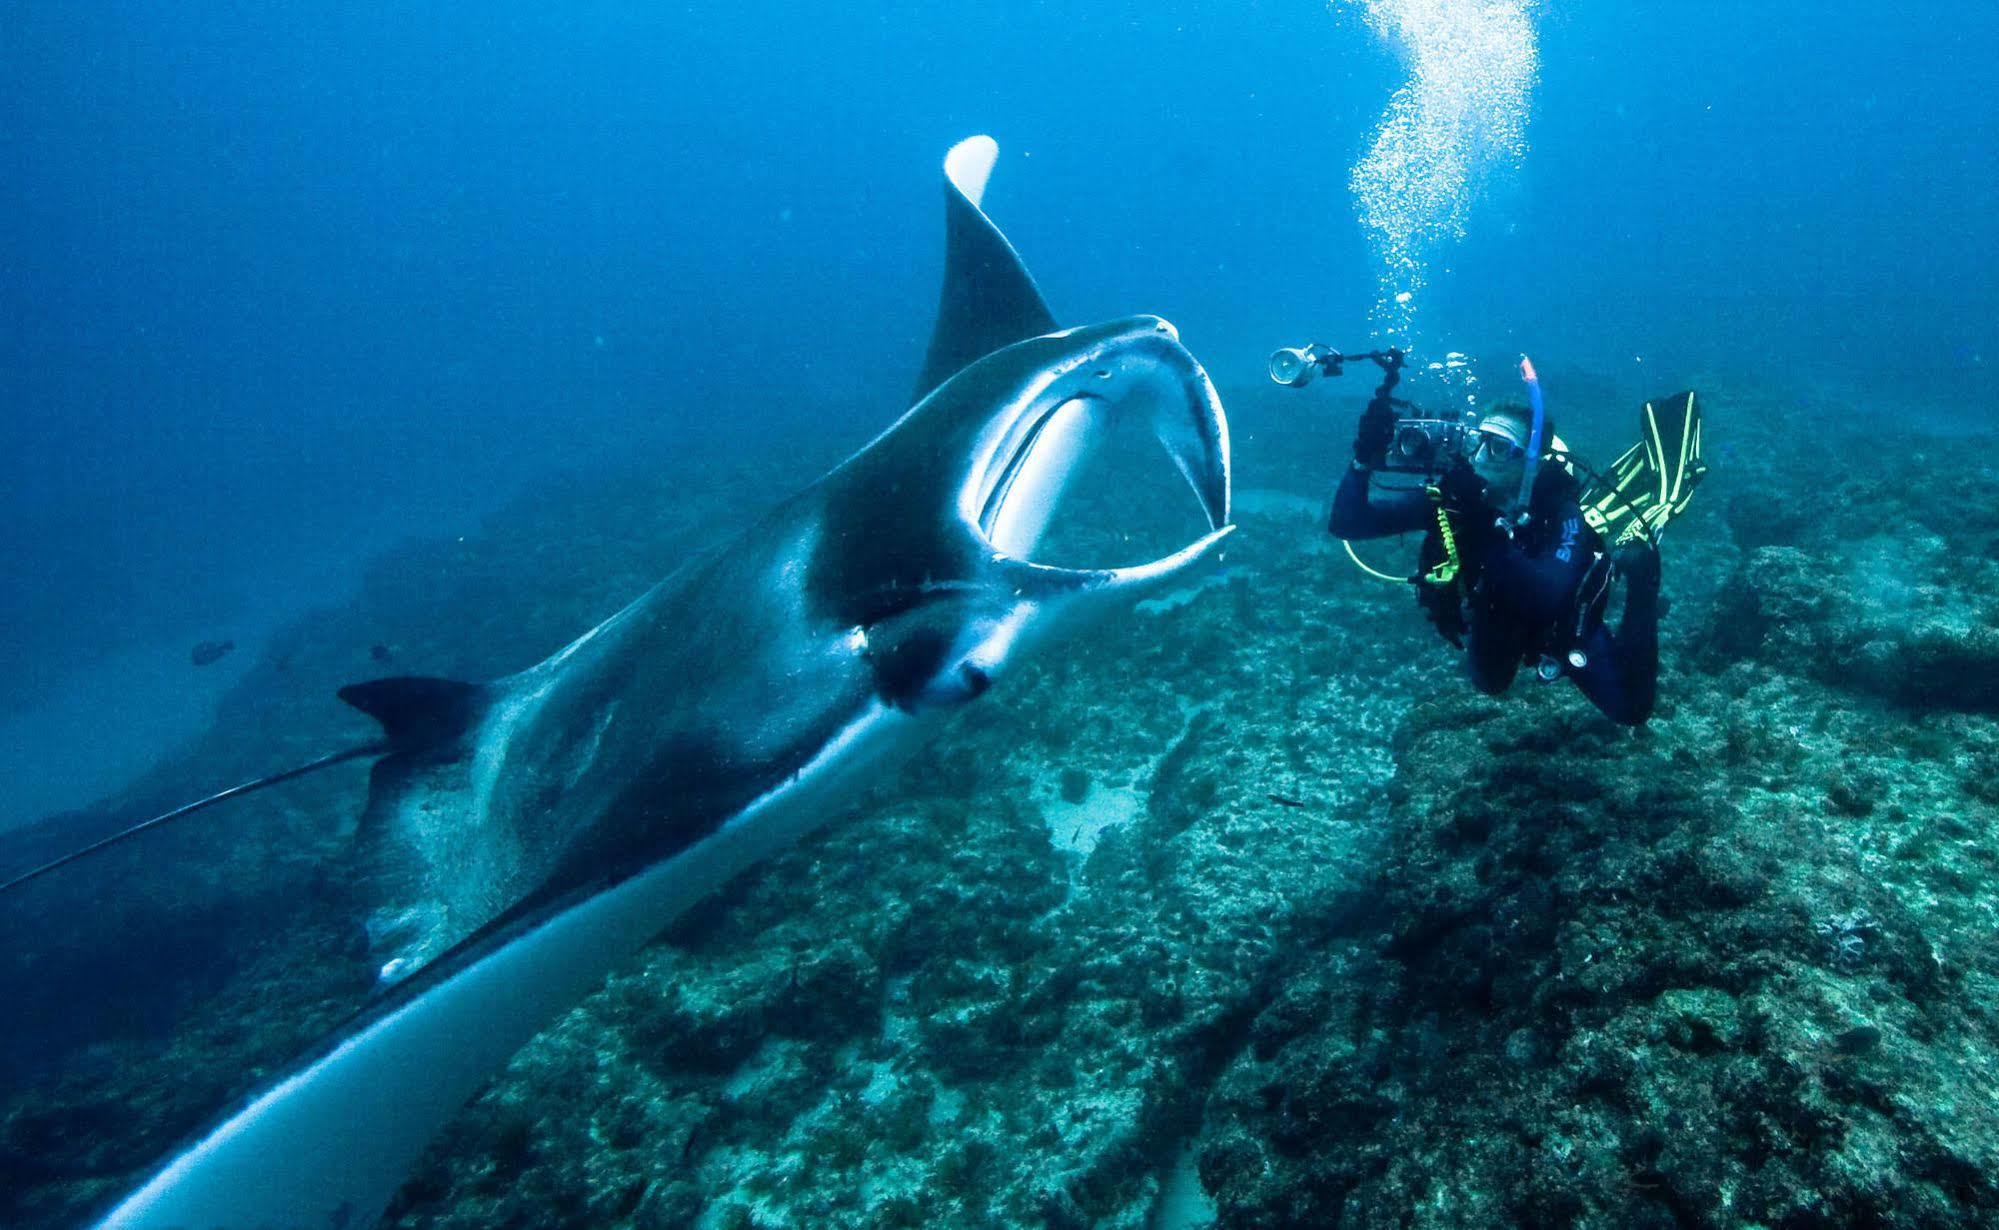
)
(1672, 443)
(188, 809)
(989, 301)
(1655, 478)
(417, 712)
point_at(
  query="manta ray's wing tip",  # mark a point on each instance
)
(969, 165)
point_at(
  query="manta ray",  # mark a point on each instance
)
(557, 819)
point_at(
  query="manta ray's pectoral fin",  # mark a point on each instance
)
(989, 301)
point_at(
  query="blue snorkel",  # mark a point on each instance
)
(1532, 469)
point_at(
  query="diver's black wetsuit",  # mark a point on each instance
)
(1520, 594)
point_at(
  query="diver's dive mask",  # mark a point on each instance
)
(1490, 448)
(1498, 453)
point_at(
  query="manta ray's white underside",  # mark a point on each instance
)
(386, 1092)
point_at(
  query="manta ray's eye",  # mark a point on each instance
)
(907, 660)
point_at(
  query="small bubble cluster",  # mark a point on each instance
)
(1461, 116)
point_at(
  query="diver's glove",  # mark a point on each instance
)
(1376, 433)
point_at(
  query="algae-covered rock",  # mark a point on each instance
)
(1613, 990)
(1886, 592)
(1783, 606)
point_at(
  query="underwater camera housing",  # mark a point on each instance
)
(1426, 446)
(1419, 445)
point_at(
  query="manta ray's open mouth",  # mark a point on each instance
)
(1050, 452)
(1031, 479)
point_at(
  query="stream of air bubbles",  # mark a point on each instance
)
(1459, 120)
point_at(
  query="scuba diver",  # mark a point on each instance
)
(1519, 557)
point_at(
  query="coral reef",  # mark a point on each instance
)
(1247, 909)
(1734, 969)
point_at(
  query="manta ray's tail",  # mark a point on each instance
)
(188, 809)
(417, 715)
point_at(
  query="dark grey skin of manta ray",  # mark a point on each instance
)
(589, 800)
(549, 823)
(651, 731)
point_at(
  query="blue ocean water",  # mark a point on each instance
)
(285, 288)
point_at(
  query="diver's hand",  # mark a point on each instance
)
(1375, 434)
(1460, 488)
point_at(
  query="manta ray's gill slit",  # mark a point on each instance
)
(1459, 119)
(1031, 484)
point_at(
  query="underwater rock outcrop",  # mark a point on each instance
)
(1619, 981)
(1864, 573)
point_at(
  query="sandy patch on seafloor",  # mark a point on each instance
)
(1075, 828)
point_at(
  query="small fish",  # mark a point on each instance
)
(1285, 800)
(210, 652)
(380, 653)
